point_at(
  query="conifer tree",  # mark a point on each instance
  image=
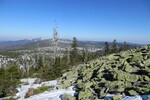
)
(106, 48)
(65, 59)
(74, 51)
(84, 55)
(40, 62)
(121, 48)
(58, 67)
(31, 70)
(125, 46)
(114, 48)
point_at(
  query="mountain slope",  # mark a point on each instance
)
(124, 73)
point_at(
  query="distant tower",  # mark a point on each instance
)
(55, 40)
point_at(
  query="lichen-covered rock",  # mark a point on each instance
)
(65, 85)
(132, 92)
(117, 97)
(132, 77)
(80, 84)
(125, 73)
(143, 90)
(67, 97)
(146, 78)
(148, 97)
(147, 63)
(127, 67)
(88, 94)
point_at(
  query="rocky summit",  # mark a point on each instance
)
(122, 74)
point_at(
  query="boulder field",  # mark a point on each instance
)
(126, 73)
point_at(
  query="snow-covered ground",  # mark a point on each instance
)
(132, 98)
(51, 95)
(136, 97)
(54, 94)
(24, 88)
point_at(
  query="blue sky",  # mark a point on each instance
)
(99, 20)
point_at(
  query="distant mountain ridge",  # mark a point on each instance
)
(42, 42)
(4, 45)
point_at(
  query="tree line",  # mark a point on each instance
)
(52, 68)
(115, 48)
(59, 65)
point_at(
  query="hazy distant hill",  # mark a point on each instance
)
(41, 42)
(5, 45)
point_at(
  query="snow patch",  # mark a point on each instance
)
(23, 89)
(136, 97)
(51, 95)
